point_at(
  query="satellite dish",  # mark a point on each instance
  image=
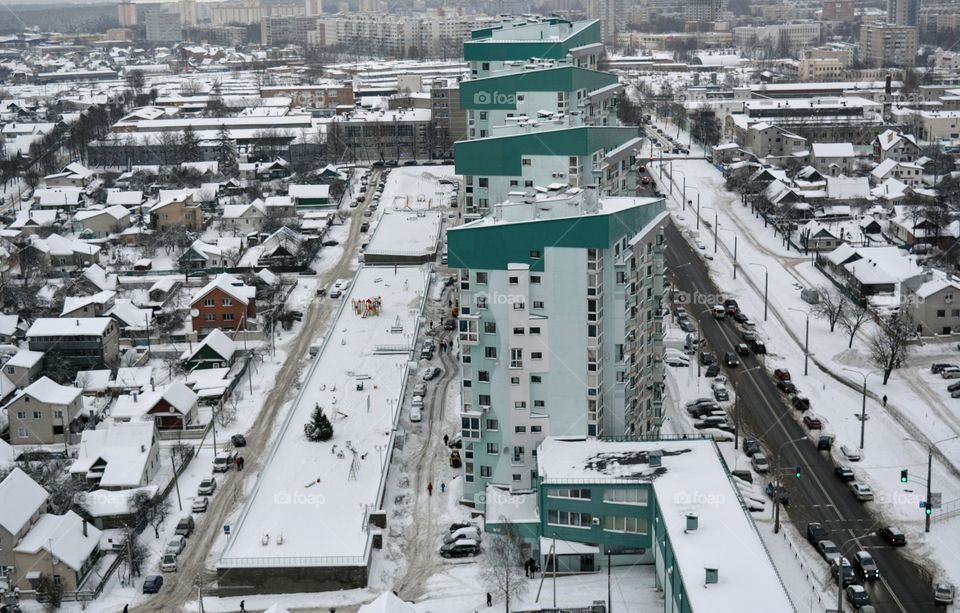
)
(194, 312)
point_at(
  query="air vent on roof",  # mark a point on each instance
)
(693, 522)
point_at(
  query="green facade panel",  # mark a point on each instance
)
(499, 92)
(501, 156)
(484, 47)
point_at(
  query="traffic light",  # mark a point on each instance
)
(903, 476)
(927, 509)
(798, 472)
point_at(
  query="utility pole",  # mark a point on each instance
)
(176, 482)
(927, 509)
(609, 599)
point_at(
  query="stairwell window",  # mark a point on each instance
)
(516, 358)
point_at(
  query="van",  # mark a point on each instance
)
(468, 532)
(223, 461)
(185, 526)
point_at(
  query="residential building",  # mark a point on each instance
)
(25, 501)
(895, 145)
(703, 11)
(24, 367)
(825, 63)
(103, 221)
(310, 196)
(548, 39)
(119, 456)
(932, 302)
(558, 326)
(93, 305)
(448, 117)
(173, 408)
(931, 125)
(226, 303)
(204, 256)
(869, 271)
(793, 36)
(839, 10)
(43, 413)
(833, 159)
(216, 350)
(176, 211)
(903, 12)
(287, 30)
(608, 13)
(885, 45)
(65, 546)
(83, 342)
(163, 26)
(61, 254)
(822, 118)
(242, 12)
(325, 94)
(394, 134)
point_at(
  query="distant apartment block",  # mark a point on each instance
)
(163, 26)
(888, 45)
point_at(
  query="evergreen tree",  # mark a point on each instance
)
(189, 145)
(226, 154)
(319, 428)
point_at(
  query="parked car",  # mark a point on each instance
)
(843, 567)
(953, 387)
(937, 367)
(844, 473)
(467, 532)
(699, 401)
(420, 389)
(757, 347)
(176, 545)
(748, 335)
(185, 526)
(460, 549)
(224, 461)
(816, 532)
(828, 549)
(450, 324)
(861, 491)
(455, 461)
(731, 306)
(462, 524)
(416, 414)
(760, 463)
(866, 565)
(431, 373)
(706, 358)
(857, 596)
(152, 584)
(731, 359)
(238, 440)
(721, 394)
(365, 226)
(742, 349)
(744, 475)
(677, 361)
(739, 317)
(207, 486)
(812, 422)
(712, 371)
(751, 446)
(800, 403)
(786, 386)
(851, 453)
(943, 593)
(892, 536)
(781, 493)
(200, 504)
(782, 374)
(951, 372)
(330, 243)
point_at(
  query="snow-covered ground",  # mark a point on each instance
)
(917, 407)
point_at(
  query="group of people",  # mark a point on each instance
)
(443, 488)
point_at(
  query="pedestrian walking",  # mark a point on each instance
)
(243, 606)
(446, 439)
(431, 324)
(443, 487)
(489, 600)
(430, 489)
(884, 400)
(126, 608)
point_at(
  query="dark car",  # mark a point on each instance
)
(748, 336)
(954, 387)
(782, 374)
(844, 473)
(816, 532)
(11, 608)
(781, 491)
(892, 536)
(740, 317)
(712, 371)
(757, 346)
(238, 440)
(866, 566)
(751, 446)
(857, 596)
(450, 324)
(936, 368)
(152, 584)
(460, 549)
(331, 243)
(461, 524)
(787, 387)
(812, 422)
(742, 349)
(365, 226)
(800, 403)
(843, 567)
(731, 306)
(706, 358)
(744, 475)
(686, 325)
(703, 410)
(731, 359)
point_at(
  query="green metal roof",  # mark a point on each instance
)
(499, 92)
(484, 46)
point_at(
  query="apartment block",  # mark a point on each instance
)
(559, 325)
(888, 45)
(550, 39)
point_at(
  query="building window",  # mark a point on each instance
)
(226, 302)
(519, 429)
(534, 278)
(493, 448)
(536, 430)
(534, 330)
(518, 306)
(633, 525)
(527, 162)
(36, 414)
(516, 477)
(493, 424)
(536, 379)
(210, 317)
(484, 400)
(536, 355)
(483, 376)
(208, 302)
(535, 254)
(482, 278)
(228, 317)
(516, 358)
(520, 404)
(513, 280)
(941, 313)
(568, 518)
(635, 496)
(21, 414)
(22, 432)
(514, 380)
(481, 302)
(539, 404)
(518, 331)
(489, 327)
(485, 471)
(490, 353)
(538, 304)
(581, 493)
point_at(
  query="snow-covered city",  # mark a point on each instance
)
(533, 307)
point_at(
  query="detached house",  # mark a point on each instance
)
(74, 174)
(216, 350)
(120, 456)
(64, 545)
(895, 145)
(204, 256)
(226, 303)
(25, 502)
(43, 413)
(174, 408)
(65, 254)
(932, 300)
(102, 222)
(83, 341)
(175, 211)
(833, 159)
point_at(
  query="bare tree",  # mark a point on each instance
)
(889, 343)
(854, 316)
(228, 412)
(501, 569)
(49, 592)
(831, 306)
(150, 510)
(134, 553)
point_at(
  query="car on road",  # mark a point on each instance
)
(152, 584)
(828, 549)
(843, 473)
(731, 306)
(224, 461)
(851, 453)
(431, 373)
(760, 463)
(892, 536)
(786, 386)
(207, 486)
(800, 403)
(176, 545)
(704, 410)
(857, 596)
(816, 533)
(712, 371)
(686, 325)
(751, 446)
(420, 389)
(812, 422)
(721, 394)
(742, 349)
(861, 491)
(731, 359)
(866, 566)
(953, 387)
(943, 593)
(781, 491)
(365, 226)
(740, 317)
(185, 526)
(455, 461)
(758, 347)
(706, 358)
(200, 504)
(460, 549)
(450, 324)
(845, 569)
(238, 440)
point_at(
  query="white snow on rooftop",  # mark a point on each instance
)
(304, 492)
(691, 473)
(22, 496)
(69, 326)
(406, 232)
(62, 536)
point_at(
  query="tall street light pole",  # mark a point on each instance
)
(766, 286)
(778, 487)
(863, 406)
(806, 341)
(928, 510)
(698, 205)
(716, 222)
(734, 232)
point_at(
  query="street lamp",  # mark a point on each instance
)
(863, 407)
(766, 286)
(698, 205)
(716, 222)
(734, 232)
(806, 341)
(840, 565)
(778, 486)
(684, 184)
(926, 507)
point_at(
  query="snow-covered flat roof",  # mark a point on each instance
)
(690, 479)
(69, 326)
(406, 232)
(305, 492)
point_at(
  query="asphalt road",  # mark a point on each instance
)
(818, 495)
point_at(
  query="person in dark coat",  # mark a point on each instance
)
(489, 600)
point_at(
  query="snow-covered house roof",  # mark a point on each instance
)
(268, 277)
(180, 397)
(130, 316)
(65, 537)
(34, 218)
(848, 188)
(117, 212)
(882, 170)
(219, 342)
(93, 381)
(25, 358)
(833, 150)
(132, 378)
(254, 210)
(58, 196)
(8, 324)
(73, 303)
(48, 391)
(126, 198)
(22, 498)
(124, 448)
(56, 245)
(891, 190)
(309, 191)
(387, 602)
(891, 138)
(99, 278)
(229, 285)
(69, 326)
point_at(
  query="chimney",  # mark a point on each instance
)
(888, 87)
(84, 528)
(653, 458)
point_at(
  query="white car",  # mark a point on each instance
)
(760, 463)
(176, 545)
(862, 491)
(415, 414)
(168, 564)
(851, 453)
(676, 360)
